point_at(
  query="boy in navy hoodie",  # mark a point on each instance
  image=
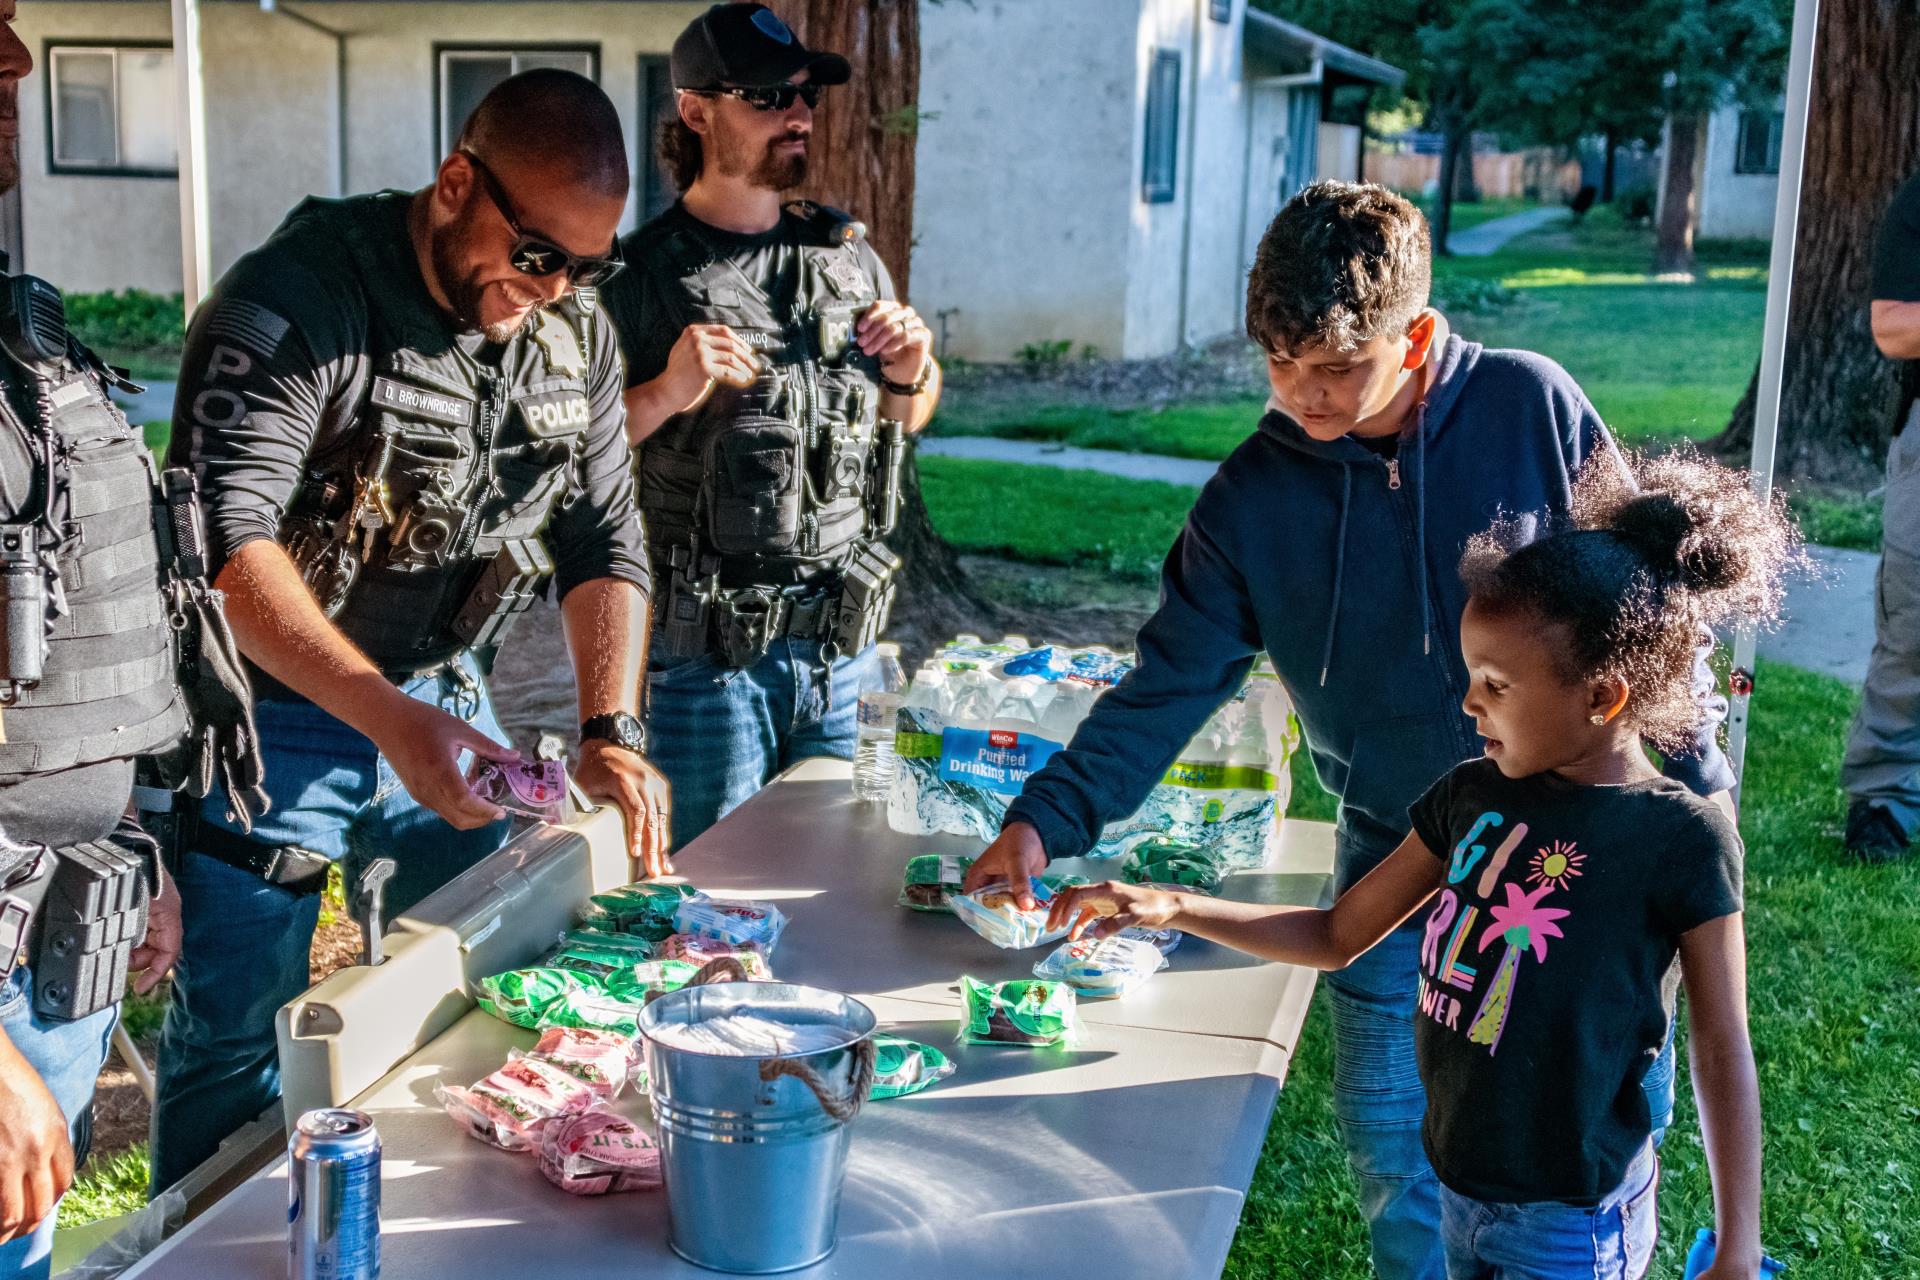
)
(1330, 540)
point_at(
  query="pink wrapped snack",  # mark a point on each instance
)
(601, 1060)
(696, 950)
(536, 788)
(507, 1108)
(598, 1152)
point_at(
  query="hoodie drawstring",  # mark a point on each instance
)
(1339, 569)
(1420, 531)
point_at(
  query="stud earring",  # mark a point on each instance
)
(1596, 718)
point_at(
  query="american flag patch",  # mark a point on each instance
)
(250, 325)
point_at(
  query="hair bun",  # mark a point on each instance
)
(1677, 542)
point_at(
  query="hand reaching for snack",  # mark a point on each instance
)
(1102, 910)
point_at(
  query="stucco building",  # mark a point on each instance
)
(1737, 175)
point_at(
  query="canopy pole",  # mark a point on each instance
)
(190, 128)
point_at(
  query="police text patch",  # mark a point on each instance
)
(555, 413)
(436, 406)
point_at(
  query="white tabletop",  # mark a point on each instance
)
(1138, 1142)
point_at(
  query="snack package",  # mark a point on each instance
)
(520, 996)
(602, 1060)
(731, 920)
(535, 788)
(697, 951)
(507, 1108)
(1100, 967)
(1023, 1012)
(594, 1011)
(1165, 941)
(991, 913)
(597, 1153)
(901, 1067)
(635, 948)
(644, 910)
(1175, 864)
(592, 959)
(930, 878)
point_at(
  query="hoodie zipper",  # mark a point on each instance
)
(1393, 473)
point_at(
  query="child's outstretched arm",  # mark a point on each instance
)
(1713, 964)
(1331, 939)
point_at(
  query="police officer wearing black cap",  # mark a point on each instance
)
(115, 667)
(772, 380)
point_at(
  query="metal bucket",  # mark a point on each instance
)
(754, 1149)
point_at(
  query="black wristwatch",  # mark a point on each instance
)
(619, 728)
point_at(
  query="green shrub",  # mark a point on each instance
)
(144, 331)
(1038, 357)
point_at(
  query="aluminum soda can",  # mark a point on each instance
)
(333, 1205)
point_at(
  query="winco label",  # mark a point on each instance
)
(432, 405)
(559, 414)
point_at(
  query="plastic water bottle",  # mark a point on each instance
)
(874, 762)
(1700, 1257)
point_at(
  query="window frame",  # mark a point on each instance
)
(49, 47)
(1153, 188)
(497, 48)
(1747, 119)
(648, 174)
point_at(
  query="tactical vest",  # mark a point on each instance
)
(773, 478)
(106, 688)
(431, 544)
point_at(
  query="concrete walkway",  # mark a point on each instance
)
(1829, 625)
(1492, 236)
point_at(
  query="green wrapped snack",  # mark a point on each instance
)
(1023, 1012)
(901, 1067)
(593, 1011)
(643, 981)
(930, 878)
(636, 949)
(644, 910)
(520, 996)
(595, 961)
(1175, 863)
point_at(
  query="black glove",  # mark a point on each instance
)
(222, 743)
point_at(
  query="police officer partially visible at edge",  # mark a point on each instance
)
(406, 414)
(772, 379)
(112, 650)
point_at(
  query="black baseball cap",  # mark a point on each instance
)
(747, 46)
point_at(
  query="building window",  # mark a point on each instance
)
(1161, 165)
(1221, 10)
(110, 110)
(656, 100)
(1757, 150)
(468, 74)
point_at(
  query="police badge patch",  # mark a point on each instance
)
(845, 274)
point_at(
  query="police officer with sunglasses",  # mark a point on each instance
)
(773, 380)
(405, 409)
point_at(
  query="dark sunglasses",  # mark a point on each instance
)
(773, 97)
(537, 256)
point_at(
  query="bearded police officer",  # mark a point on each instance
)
(772, 377)
(112, 648)
(405, 409)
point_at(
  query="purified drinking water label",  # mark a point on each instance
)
(994, 759)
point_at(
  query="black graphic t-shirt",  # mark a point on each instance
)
(1544, 971)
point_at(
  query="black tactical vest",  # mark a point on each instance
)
(107, 688)
(772, 478)
(432, 542)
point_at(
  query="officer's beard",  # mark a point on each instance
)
(769, 169)
(463, 286)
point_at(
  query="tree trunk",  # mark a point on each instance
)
(1456, 140)
(1606, 168)
(1840, 395)
(1680, 206)
(862, 161)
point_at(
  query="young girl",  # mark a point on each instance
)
(1560, 875)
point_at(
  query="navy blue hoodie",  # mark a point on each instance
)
(1341, 565)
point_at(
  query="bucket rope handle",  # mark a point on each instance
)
(719, 969)
(842, 1109)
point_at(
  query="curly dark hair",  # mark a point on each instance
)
(1342, 262)
(1652, 551)
(679, 150)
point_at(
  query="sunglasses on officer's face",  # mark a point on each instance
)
(773, 97)
(537, 256)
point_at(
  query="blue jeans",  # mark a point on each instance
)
(1548, 1240)
(719, 735)
(67, 1056)
(1379, 1101)
(244, 953)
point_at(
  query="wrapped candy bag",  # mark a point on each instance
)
(901, 1067)
(597, 1153)
(737, 920)
(1174, 864)
(1099, 967)
(507, 1108)
(535, 788)
(991, 913)
(520, 996)
(602, 1060)
(644, 910)
(1022, 1012)
(636, 948)
(592, 959)
(1165, 941)
(930, 877)
(697, 951)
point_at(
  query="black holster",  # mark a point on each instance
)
(883, 489)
